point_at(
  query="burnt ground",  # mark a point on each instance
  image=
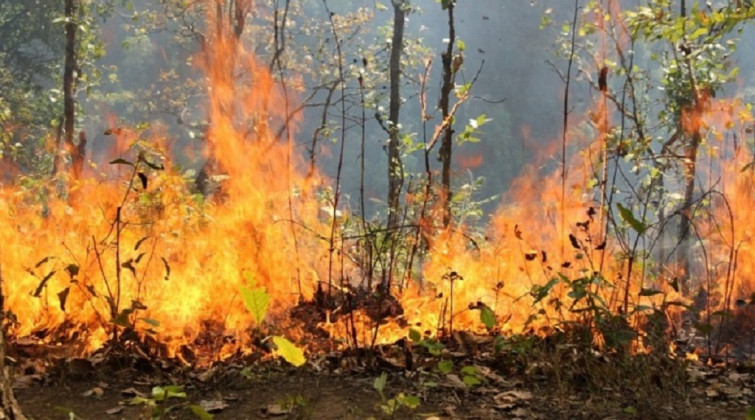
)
(272, 390)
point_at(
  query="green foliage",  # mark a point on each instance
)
(257, 301)
(391, 406)
(445, 366)
(472, 130)
(487, 316)
(166, 399)
(628, 217)
(288, 351)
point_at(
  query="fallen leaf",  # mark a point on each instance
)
(454, 381)
(94, 392)
(711, 393)
(731, 391)
(133, 392)
(275, 410)
(114, 410)
(514, 395)
(490, 375)
(520, 413)
(213, 406)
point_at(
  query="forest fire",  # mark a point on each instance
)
(129, 248)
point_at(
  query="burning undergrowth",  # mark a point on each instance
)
(130, 253)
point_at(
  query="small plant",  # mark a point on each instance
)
(392, 406)
(257, 301)
(165, 399)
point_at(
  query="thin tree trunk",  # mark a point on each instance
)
(446, 146)
(684, 258)
(69, 85)
(690, 168)
(395, 170)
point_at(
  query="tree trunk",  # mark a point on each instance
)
(446, 146)
(684, 259)
(395, 169)
(69, 86)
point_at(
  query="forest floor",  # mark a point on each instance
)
(77, 389)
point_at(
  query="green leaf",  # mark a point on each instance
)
(487, 316)
(155, 166)
(470, 370)
(540, 292)
(628, 217)
(160, 393)
(120, 161)
(445, 366)
(698, 33)
(200, 412)
(122, 318)
(471, 381)
(751, 413)
(649, 292)
(257, 301)
(288, 351)
(379, 383)
(414, 335)
(150, 321)
(408, 401)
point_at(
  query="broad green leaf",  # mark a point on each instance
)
(408, 401)
(160, 393)
(751, 413)
(471, 381)
(379, 383)
(487, 317)
(628, 217)
(257, 301)
(470, 370)
(200, 412)
(414, 335)
(288, 351)
(445, 366)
